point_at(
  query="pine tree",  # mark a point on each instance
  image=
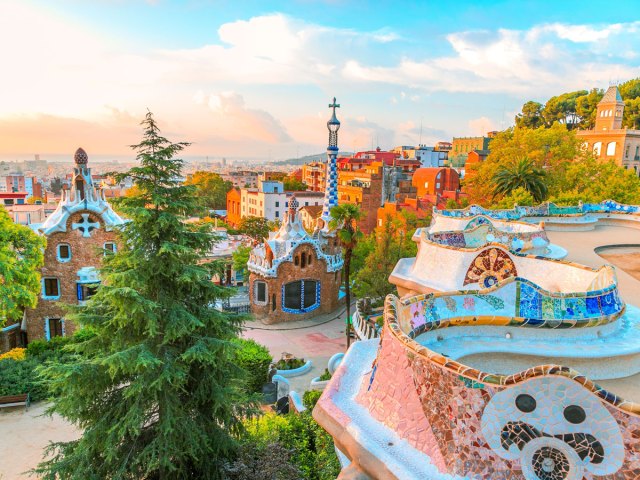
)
(155, 390)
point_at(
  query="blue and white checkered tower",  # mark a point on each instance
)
(331, 184)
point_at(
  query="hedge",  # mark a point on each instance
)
(255, 360)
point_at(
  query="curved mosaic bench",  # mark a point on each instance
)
(483, 232)
(485, 266)
(401, 410)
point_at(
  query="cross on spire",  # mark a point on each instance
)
(334, 105)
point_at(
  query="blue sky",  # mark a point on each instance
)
(252, 80)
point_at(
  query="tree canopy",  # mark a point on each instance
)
(156, 390)
(257, 228)
(570, 173)
(578, 109)
(21, 257)
(211, 189)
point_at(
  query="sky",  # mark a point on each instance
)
(253, 79)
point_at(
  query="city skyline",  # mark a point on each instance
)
(254, 81)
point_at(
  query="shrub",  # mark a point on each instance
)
(38, 347)
(310, 398)
(326, 375)
(313, 450)
(21, 377)
(255, 359)
(17, 354)
(272, 461)
(290, 363)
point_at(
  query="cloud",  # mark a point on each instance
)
(482, 125)
(234, 121)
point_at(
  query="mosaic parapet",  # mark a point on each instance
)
(547, 422)
(542, 210)
(486, 265)
(480, 231)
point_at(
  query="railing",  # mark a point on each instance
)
(363, 327)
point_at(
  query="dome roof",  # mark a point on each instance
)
(81, 157)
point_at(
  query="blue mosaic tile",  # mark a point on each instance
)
(530, 302)
(593, 306)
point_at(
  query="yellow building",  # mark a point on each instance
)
(609, 140)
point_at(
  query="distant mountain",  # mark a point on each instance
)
(320, 157)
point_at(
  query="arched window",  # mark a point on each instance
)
(301, 296)
(303, 260)
(597, 148)
(611, 149)
(296, 260)
(309, 259)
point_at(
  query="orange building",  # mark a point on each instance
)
(609, 140)
(435, 181)
(234, 199)
(421, 208)
(314, 175)
(363, 187)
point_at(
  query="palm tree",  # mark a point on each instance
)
(344, 219)
(520, 173)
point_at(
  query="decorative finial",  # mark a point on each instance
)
(333, 125)
(81, 157)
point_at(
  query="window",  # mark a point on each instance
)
(277, 214)
(301, 296)
(259, 292)
(110, 247)
(303, 260)
(296, 260)
(64, 252)
(51, 288)
(54, 328)
(86, 290)
(277, 204)
(611, 149)
(597, 147)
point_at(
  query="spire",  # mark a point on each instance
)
(331, 184)
(612, 95)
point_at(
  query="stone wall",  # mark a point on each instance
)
(85, 252)
(289, 272)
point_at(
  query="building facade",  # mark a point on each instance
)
(296, 275)
(609, 140)
(234, 201)
(314, 176)
(80, 233)
(435, 181)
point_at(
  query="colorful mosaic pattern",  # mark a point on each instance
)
(490, 267)
(331, 186)
(542, 210)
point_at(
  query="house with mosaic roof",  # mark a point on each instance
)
(295, 274)
(80, 233)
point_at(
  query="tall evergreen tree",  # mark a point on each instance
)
(155, 390)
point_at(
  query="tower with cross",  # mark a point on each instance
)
(331, 186)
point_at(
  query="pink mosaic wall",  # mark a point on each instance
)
(484, 431)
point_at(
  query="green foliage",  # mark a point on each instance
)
(519, 196)
(344, 219)
(523, 174)
(36, 348)
(255, 360)
(211, 190)
(392, 242)
(21, 256)
(326, 375)
(293, 185)
(290, 363)
(240, 258)
(313, 448)
(272, 461)
(17, 378)
(578, 109)
(156, 391)
(257, 228)
(311, 397)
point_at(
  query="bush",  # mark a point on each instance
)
(272, 461)
(21, 377)
(290, 363)
(326, 375)
(38, 347)
(310, 398)
(255, 359)
(313, 450)
(16, 354)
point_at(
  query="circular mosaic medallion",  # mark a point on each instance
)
(550, 459)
